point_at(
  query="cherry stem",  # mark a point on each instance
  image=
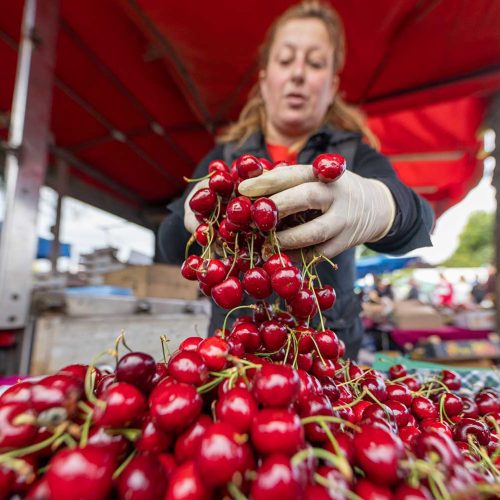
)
(90, 375)
(251, 251)
(85, 429)
(343, 465)
(302, 455)
(318, 351)
(164, 347)
(478, 450)
(352, 403)
(210, 385)
(317, 419)
(124, 464)
(323, 481)
(191, 240)
(319, 310)
(28, 450)
(235, 492)
(198, 179)
(442, 411)
(223, 334)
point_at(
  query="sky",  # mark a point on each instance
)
(87, 228)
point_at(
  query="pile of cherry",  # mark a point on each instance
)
(240, 251)
(224, 417)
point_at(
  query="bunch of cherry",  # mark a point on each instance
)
(232, 417)
(240, 251)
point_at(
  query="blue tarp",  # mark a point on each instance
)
(382, 264)
(45, 247)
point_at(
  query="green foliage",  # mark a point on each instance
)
(475, 243)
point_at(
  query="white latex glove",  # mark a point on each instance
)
(190, 221)
(355, 209)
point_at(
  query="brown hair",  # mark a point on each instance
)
(340, 114)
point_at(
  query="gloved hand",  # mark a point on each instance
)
(354, 209)
(190, 221)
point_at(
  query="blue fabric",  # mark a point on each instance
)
(381, 264)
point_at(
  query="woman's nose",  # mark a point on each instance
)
(298, 70)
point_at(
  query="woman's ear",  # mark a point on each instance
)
(335, 87)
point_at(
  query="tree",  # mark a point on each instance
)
(475, 243)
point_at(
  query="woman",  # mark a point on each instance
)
(295, 113)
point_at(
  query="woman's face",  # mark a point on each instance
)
(299, 83)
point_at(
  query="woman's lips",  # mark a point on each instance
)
(295, 99)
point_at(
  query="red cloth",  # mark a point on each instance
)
(401, 337)
(282, 153)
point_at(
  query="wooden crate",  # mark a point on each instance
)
(156, 280)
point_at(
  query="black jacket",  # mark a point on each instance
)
(411, 228)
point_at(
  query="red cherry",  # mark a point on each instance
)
(79, 372)
(238, 211)
(452, 404)
(142, 479)
(286, 282)
(266, 164)
(217, 166)
(400, 412)
(188, 443)
(317, 405)
(423, 407)
(368, 490)
(220, 455)
(487, 403)
(408, 435)
(56, 391)
(276, 478)
(123, 403)
(202, 234)
(187, 484)
(323, 368)
(273, 335)
(470, 408)
(214, 352)
(277, 431)
(248, 166)
(275, 262)
(411, 382)
(436, 425)
(17, 393)
(86, 471)
(7, 480)
(248, 335)
(471, 427)
(399, 392)
(203, 201)
(176, 406)
(236, 407)
(190, 344)
(221, 183)
(188, 367)
(276, 385)
(328, 167)
(326, 297)
(257, 283)
(407, 492)
(190, 266)
(244, 262)
(346, 445)
(397, 371)
(227, 234)
(211, 272)
(451, 379)
(136, 368)
(114, 443)
(12, 433)
(328, 344)
(264, 214)
(228, 294)
(427, 444)
(303, 304)
(377, 453)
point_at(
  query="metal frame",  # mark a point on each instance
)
(26, 160)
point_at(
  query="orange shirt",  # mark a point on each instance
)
(281, 153)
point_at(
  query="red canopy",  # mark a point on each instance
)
(141, 86)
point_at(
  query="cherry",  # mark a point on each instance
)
(276, 385)
(104, 383)
(264, 214)
(377, 452)
(56, 391)
(142, 479)
(86, 471)
(359, 409)
(451, 380)
(221, 183)
(266, 164)
(201, 234)
(423, 407)
(397, 371)
(399, 392)
(79, 372)
(400, 412)
(123, 403)
(17, 393)
(277, 431)
(323, 368)
(304, 335)
(487, 402)
(226, 233)
(436, 425)
(330, 389)
(188, 367)
(452, 404)
(384, 413)
(248, 166)
(13, 433)
(237, 407)
(286, 282)
(407, 492)
(441, 445)
(412, 383)
(317, 405)
(367, 490)
(188, 443)
(190, 266)
(203, 201)
(328, 167)
(187, 484)
(273, 335)
(326, 297)
(303, 304)
(248, 335)
(238, 211)
(114, 443)
(190, 344)
(217, 166)
(275, 262)
(211, 272)
(472, 427)
(152, 438)
(375, 385)
(220, 455)
(408, 435)
(136, 368)
(257, 283)
(214, 352)
(276, 478)
(176, 406)
(7, 480)
(470, 407)
(328, 344)
(244, 261)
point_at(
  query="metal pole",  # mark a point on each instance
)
(62, 184)
(26, 158)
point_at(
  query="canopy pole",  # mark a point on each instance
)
(493, 120)
(62, 188)
(26, 161)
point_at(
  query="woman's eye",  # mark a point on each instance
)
(317, 64)
(285, 62)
